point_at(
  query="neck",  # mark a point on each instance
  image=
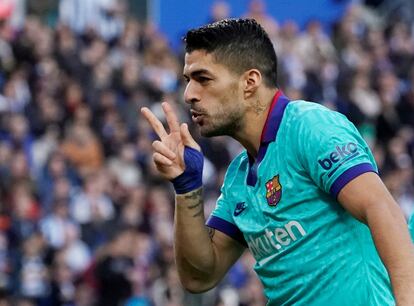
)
(254, 121)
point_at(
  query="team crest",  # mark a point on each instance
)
(273, 191)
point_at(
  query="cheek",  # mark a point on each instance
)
(230, 98)
(221, 99)
(226, 107)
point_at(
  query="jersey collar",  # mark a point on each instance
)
(269, 132)
(274, 117)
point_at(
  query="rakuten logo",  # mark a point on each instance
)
(273, 241)
(342, 154)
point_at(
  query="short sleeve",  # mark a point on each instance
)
(332, 150)
(221, 219)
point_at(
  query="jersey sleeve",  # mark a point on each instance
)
(221, 220)
(221, 217)
(332, 150)
(411, 226)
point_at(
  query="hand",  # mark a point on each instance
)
(168, 153)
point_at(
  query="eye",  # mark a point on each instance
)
(203, 80)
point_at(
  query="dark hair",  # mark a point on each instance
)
(240, 44)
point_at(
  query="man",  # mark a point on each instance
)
(304, 196)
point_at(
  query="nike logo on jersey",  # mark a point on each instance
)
(240, 207)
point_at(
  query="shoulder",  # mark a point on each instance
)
(313, 112)
(311, 116)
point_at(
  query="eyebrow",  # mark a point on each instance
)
(197, 73)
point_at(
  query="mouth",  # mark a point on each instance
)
(197, 117)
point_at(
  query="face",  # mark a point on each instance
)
(215, 95)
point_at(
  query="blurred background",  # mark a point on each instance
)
(84, 218)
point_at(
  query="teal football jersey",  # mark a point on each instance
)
(411, 226)
(283, 207)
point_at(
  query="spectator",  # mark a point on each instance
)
(91, 203)
(257, 11)
(219, 10)
(114, 270)
(101, 16)
(56, 224)
(82, 148)
(124, 169)
(32, 274)
(62, 287)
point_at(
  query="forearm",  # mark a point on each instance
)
(194, 251)
(390, 233)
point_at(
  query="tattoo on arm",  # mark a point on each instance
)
(199, 206)
(199, 213)
(194, 205)
(193, 195)
(196, 195)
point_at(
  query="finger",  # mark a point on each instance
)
(160, 147)
(171, 117)
(154, 122)
(161, 160)
(187, 139)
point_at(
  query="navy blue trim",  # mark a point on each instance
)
(274, 119)
(227, 228)
(348, 176)
(269, 133)
(343, 162)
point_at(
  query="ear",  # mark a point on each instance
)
(252, 80)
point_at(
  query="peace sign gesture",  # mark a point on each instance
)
(169, 150)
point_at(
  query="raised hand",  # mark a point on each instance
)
(169, 150)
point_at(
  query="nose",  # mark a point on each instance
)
(190, 94)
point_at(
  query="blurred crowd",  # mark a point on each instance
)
(84, 218)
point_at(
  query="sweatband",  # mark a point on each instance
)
(192, 177)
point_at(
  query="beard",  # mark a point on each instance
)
(223, 124)
(226, 120)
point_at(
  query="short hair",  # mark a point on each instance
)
(240, 44)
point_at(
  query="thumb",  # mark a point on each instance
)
(187, 139)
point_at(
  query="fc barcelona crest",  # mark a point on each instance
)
(273, 191)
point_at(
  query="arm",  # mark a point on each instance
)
(368, 200)
(202, 258)
(203, 255)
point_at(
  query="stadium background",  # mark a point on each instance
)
(84, 219)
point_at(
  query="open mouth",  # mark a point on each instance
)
(197, 117)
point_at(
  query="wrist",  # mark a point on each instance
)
(190, 195)
(184, 183)
(192, 177)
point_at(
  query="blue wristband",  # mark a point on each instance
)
(192, 177)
